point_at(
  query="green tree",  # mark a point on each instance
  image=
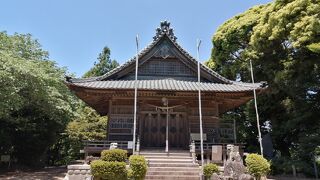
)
(282, 40)
(35, 104)
(104, 65)
(88, 124)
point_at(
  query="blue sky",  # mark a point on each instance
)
(75, 31)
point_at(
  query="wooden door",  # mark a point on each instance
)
(153, 132)
(152, 127)
(178, 131)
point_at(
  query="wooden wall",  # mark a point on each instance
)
(120, 124)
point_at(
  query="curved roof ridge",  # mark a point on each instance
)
(150, 46)
(163, 31)
(131, 60)
(78, 80)
(217, 75)
(165, 85)
(256, 85)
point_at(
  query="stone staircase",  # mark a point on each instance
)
(172, 166)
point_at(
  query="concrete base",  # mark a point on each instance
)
(79, 172)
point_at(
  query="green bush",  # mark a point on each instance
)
(257, 165)
(138, 167)
(108, 170)
(209, 169)
(118, 155)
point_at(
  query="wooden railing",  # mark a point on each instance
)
(98, 146)
(208, 146)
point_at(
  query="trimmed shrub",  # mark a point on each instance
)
(209, 169)
(118, 155)
(257, 165)
(108, 170)
(138, 167)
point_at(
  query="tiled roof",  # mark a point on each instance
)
(168, 85)
(168, 32)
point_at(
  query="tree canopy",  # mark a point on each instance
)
(104, 64)
(35, 104)
(41, 120)
(87, 123)
(282, 39)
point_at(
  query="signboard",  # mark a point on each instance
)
(214, 149)
(130, 144)
(5, 158)
(217, 153)
(196, 136)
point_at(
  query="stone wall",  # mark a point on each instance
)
(79, 172)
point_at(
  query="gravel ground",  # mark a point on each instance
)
(56, 173)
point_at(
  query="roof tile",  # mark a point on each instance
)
(168, 84)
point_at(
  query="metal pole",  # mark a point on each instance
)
(135, 99)
(167, 130)
(315, 166)
(256, 107)
(234, 131)
(200, 110)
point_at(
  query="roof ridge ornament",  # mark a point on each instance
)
(165, 29)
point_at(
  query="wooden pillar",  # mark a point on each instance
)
(109, 119)
(188, 123)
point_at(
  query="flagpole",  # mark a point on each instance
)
(135, 98)
(256, 107)
(200, 108)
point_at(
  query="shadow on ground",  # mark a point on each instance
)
(54, 173)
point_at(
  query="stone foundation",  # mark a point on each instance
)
(79, 172)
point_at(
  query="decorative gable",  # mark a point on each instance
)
(164, 51)
(157, 58)
(163, 61)
(165, 67)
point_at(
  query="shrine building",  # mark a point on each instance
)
(167, 98)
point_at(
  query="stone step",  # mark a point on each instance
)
(167, 157)
(160, 169)
(173, 177)
(163, 151)
(164, 154)
(175, 164)
(176, 173)
(170, 160)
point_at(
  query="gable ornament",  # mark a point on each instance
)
(165, 29)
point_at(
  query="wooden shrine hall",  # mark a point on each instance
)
(167, 98)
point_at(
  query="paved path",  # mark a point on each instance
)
(42, 174)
